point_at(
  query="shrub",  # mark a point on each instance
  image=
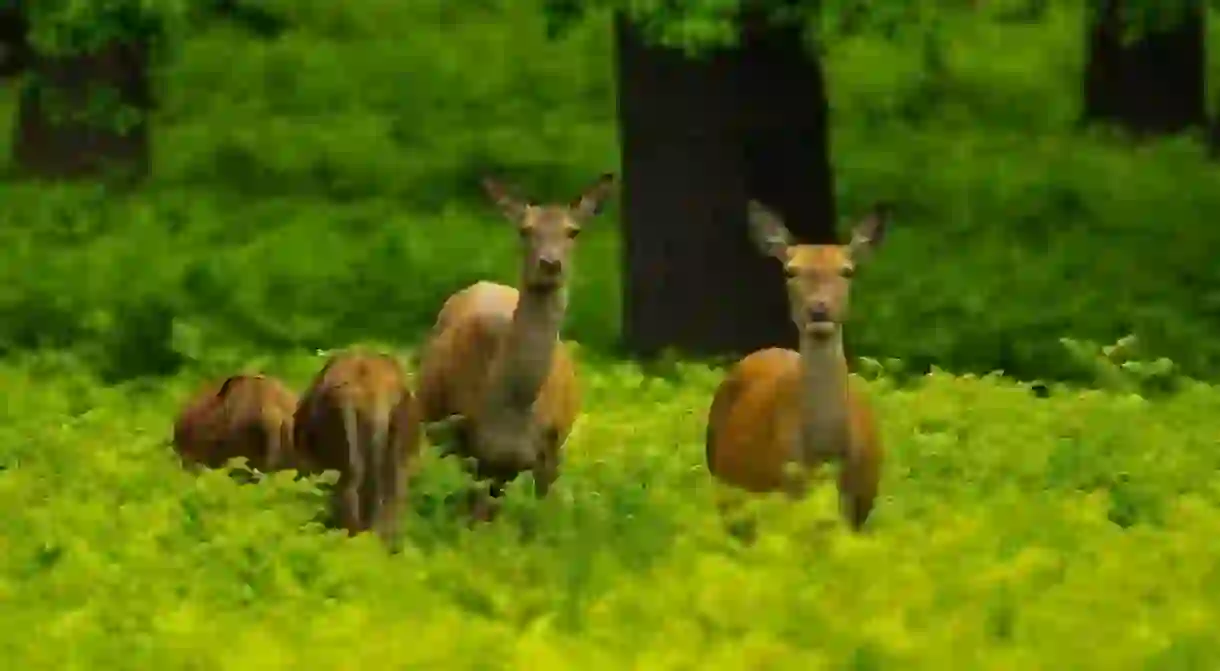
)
(1071, 530)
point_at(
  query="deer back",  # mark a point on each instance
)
(239, 416)
(754, 420)
(466, 339)
(461, 357)
(372, 385)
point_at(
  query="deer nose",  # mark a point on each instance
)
(550, 265)
(819, 312)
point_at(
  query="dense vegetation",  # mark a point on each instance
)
(313, 189)
(321, 188)
(1076, 531)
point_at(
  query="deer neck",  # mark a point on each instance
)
(524, 361)
(825, 431)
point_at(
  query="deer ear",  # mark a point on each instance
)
(870, 231)
(767, 231)
(589, 204)
(511, 206)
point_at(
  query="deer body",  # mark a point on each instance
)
(773, 409)
(241, 416)
(359, 417)
(778, 407)
(501, 366)
(495, 373)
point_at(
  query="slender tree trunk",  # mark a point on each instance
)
(699, 137)
(14, 39)
(1152, 86)
(70, 120)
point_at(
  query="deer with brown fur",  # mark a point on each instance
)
(359, 417)
(779, 408)
(241, 416)
(495, 379)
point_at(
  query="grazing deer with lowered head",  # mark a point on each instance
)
(359, 417)
(495, 380)
(241, 416)
(777, 406)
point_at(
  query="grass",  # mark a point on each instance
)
(1075, 531)
(321, 189)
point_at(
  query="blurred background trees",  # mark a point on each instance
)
(336, 120)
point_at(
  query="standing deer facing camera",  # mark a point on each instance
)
(359, 417)
(241, 416)
(495, 380)
(777, 406)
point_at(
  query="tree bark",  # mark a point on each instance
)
(1152, 86)
(699, 137)
(14, 40)
(781, 93)
(57, 137)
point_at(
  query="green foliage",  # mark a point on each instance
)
(322, 187)
(702, 25)
(1145, 16)
(63, 27)
(1075, 531)
(70, 26)
(691, 26)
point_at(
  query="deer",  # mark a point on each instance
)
(359, 417)
(244, 415)
(497, 385)
(779, 415)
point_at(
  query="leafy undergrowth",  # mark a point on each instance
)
(1075, 531)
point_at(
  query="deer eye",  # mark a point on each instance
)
(791, 272)
(573, 232)
(847, 271)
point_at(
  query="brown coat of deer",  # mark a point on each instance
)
(778, 407)
(495, 380)
(241, 416)
(359, 417)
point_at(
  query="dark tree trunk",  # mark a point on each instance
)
(14, 39)
(56, 135)
(1152, 86)
(784, 128)
(699, 137)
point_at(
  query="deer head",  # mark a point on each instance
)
(819, 276)
(548, 231)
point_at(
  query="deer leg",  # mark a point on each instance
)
(482, 497)
(349, 501)
(352, 483)
(546, 468)
(394, 486)
(796, 480)
(485, 502)
(737, 523)
(854, 505)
